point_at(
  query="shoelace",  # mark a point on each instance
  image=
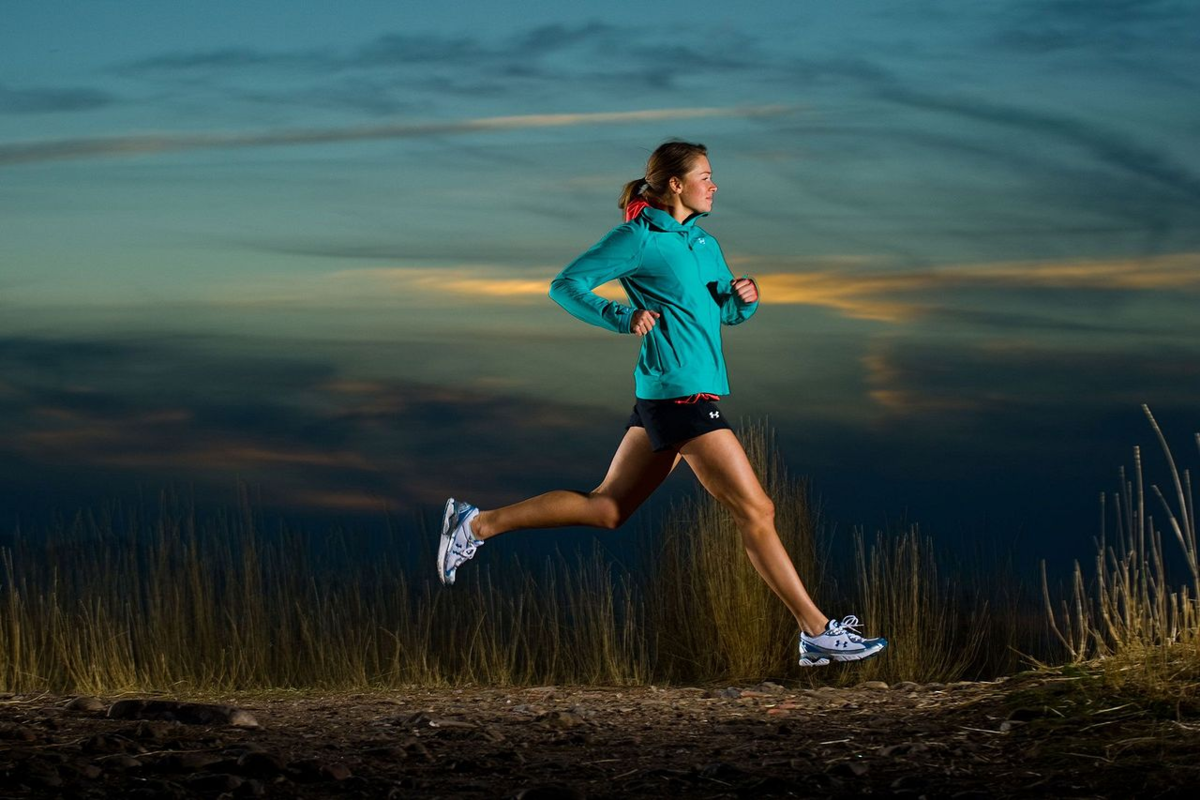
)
(849, 627)
(462, 552)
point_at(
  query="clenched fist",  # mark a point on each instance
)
(746, 290)
(643, 321)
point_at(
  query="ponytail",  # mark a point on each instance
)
(632, 191)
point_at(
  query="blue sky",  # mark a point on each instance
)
(306, 244)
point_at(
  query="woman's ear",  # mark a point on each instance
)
(675, 185)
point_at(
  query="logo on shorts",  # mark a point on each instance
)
(714, 414)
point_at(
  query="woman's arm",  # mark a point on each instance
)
(738, 296)
(740, 300)
(616, 255)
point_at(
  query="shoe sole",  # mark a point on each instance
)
(827, 657)
(817, 662)
(447, 517)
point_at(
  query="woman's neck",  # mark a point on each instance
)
(680, 212)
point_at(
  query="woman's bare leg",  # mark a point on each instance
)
(722, 468)
(635, 472)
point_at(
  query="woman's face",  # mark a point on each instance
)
(696, 188)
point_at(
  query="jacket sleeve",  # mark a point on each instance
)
(733, 310)
(618, 254)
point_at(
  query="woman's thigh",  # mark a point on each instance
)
(636, 471)
(721, 466)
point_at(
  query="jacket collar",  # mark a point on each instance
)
(663, 221)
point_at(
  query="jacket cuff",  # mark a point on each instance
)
(624, 319)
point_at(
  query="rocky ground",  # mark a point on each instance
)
(1032, 736)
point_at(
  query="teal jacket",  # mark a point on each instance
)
(672, 268)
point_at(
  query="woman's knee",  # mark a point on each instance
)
(757, 511)
(606, 511)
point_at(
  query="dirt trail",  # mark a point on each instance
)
(965, 740)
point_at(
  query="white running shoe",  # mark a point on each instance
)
(458, 543)
(840, 641)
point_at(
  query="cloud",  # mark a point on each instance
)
(1107, 145)
(206, 412)
(365, 288)
(43, 100)
(902, 296)
(525, 53)
(1106, 26)
(401, 69)
(1019, 384)
(227, 58)
(151, 144)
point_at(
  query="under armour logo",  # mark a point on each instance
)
(700, 240)
(714, 414)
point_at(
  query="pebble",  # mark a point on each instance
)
(187, 713)
(415, 749)
(89, 704)
(153, 730)
(121, 761)
(100, 743)
(560, 719)
(417, 720)
(490, 734)
(873, 685)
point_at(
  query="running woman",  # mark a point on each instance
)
(682, 292)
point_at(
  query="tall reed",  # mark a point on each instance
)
(1131, 608)
(935, 631)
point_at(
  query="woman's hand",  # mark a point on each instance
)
(746, 290)
(643, 321)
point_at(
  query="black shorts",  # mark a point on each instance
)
(670, 424)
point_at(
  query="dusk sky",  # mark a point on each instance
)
(308, 246)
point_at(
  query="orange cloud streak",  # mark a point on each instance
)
(855, 291)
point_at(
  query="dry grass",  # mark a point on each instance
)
(712, 614)
(1140, 631)
(116, 602)
(934, 632)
